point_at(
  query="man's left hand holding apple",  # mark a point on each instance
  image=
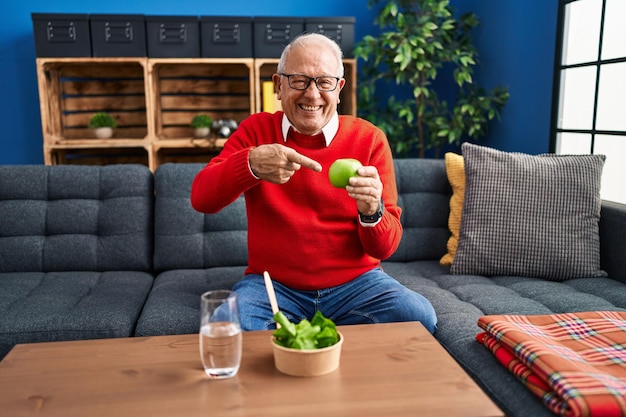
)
(366, 189)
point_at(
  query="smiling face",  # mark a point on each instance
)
(309, 110)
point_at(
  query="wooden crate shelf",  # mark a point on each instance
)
(153, 101)
(207, 143)
(220, 88)
(98, 156)
(73, 89)
(170, 154)
(98, 143)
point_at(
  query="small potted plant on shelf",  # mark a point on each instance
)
(202, 124)
(103, 124)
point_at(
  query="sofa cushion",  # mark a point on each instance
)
(53, 306)
(530, 215)
(613, 239)
(174, 303)
(185, 238)
(75, 218)
(456, 176)
(423, 196)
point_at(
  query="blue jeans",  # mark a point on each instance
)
(374, 297)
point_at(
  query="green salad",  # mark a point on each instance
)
(318, 333)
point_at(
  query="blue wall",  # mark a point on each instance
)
(516, 41)
(511, 53)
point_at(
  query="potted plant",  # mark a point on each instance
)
(103, 124)
(202, 124)
(421, 42)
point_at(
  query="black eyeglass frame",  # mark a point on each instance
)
(314, 79)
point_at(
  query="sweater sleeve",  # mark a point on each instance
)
(228, 174)
(219, 184)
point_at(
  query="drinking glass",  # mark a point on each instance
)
(220, 334)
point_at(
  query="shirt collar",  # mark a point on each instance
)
(329, 131)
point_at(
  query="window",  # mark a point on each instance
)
(590, 87)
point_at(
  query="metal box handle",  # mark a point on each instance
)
(61, 32)
(226, 34)
(173, 33)
(277, 33)
(118, 32)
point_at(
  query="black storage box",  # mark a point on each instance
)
(272, 34)
(61, 35)
(173, 36)
(226, 37)
(118, 35)
(339, 29)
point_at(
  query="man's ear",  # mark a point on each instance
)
(342, 83)
(277, 85)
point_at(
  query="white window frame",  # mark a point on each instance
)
(589, 96)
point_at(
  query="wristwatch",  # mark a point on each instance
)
(373, 218)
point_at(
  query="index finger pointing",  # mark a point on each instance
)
(305, 161)
(311, 164)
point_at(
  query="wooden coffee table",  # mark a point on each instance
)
(395, 369)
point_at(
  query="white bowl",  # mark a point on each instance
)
(314, 362)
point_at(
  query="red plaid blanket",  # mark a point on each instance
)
(576, 363)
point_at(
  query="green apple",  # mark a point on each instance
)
(342, 170)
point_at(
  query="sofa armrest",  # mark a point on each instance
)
(613, 239)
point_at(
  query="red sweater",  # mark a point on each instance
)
(305, 233)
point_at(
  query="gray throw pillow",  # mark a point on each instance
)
(530, 215)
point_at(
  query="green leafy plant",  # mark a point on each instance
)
(201, 120)
(102, 119)
(419, 43)
(315, 334)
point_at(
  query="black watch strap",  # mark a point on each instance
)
(373, 218)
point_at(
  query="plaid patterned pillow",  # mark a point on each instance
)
(534, 216)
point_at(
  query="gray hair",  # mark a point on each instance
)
(307, 39)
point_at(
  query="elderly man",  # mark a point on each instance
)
(322, 245)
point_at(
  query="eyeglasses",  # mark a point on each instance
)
(302, 82)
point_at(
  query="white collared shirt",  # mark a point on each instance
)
(329, 131)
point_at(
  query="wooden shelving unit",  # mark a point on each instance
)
(72, 89)
(182, 88)
(153, 101)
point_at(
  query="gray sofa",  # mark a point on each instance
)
(95, 252)
(75, 252)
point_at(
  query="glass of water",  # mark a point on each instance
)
(220, 334)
